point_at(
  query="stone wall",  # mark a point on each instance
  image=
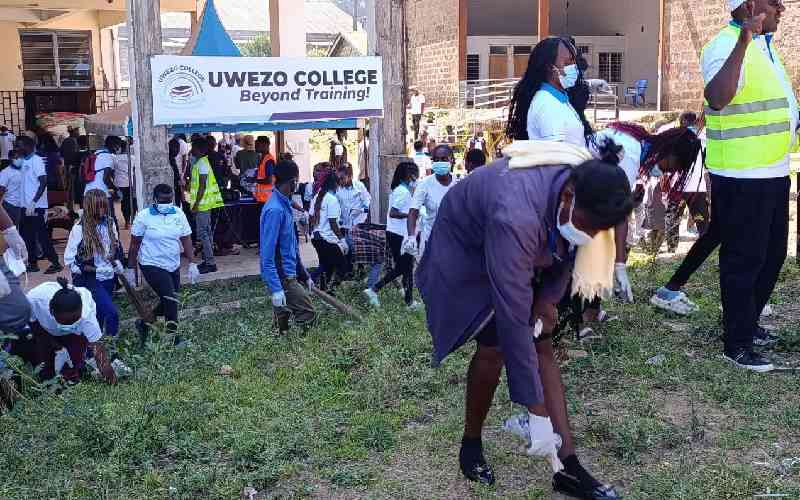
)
(689, 26)
(433, 56)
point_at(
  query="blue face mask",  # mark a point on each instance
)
(656, 171)
(441, 167)
(570, 76)
(73, 328)
(411, 185)
(163, 209)
(571, 233)
(18, 163)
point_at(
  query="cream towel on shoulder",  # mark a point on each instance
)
(593, 275)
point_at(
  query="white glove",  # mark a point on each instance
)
(16, 243)
(61, 359)
(310, 284)
(279, 299)
(622, 284)
(30, 211)
(118, 269)
(194, 274)
(304, 218)
(344, 246)
(410, 246)
(544, 441)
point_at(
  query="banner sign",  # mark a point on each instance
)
(194, 90)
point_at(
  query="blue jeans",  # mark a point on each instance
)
(107, 314)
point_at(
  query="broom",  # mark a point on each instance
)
(145, 313)
(337, 304)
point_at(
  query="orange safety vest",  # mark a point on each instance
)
(263, 191)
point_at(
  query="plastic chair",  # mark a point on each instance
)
(637, 93)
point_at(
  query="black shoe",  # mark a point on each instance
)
(763, 338)
(206, 268)
(749, 360)
(569, 485)
(474, 466)
(54, 268)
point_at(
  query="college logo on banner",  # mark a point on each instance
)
(199, 90)
(181, 86)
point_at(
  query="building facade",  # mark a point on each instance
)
(689, 25)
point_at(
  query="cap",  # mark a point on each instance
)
(734, 4)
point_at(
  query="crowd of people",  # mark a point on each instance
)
(497, 257)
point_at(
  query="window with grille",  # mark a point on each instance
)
(522, 50)
(584, 50)
(473, 67)
(498, 50)
(609, 66)
(56, 59)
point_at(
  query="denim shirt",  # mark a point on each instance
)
(279, 251)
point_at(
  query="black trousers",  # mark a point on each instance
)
(697, 203)
(35, 229)
(403, 266)
(415, 119)
(700, 251)
(15, 213)
(332, 262)
(126, 204)
(752, 216)
(166, 285)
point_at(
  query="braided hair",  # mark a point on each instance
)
(680, 142)
(95, 210)
(602, 189)
(328, 184)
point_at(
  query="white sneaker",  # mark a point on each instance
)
(678, 304)
(372, 297)
(121, 369)
(415, 306)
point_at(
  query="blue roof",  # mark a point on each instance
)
(212, 39)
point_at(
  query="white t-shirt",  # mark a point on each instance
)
(552, 118)
(429, 195)
(104, 161)
(121, 176)
(713, 59)
(631, 162)
(400, 199)
(354, 202)
(330, 209)
(32, 169)
(40, 298)
(161, 238)
(11, 180)
(6, 145)
(105, 267)
(416, 104)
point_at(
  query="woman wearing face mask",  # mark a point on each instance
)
(158, 236)
(428, 196)
(94, 255)
(540, 107)
(498, 261)
(63, 328)
(327, 237)
(400, 202)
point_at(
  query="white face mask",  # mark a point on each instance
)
(570, 76)
(569, 232)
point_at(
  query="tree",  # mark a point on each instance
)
(260, 46)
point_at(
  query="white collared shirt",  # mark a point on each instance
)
(40, 298)
(104, 266)
(161, 238)
(32, 169)
(554, 119)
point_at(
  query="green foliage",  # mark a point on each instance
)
(260, 46)
(351, 410)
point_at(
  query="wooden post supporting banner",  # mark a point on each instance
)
(388, 134)
(150, 142)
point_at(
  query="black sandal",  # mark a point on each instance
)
(569, 485)
(479, 472)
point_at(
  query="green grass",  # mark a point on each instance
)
(355, 411)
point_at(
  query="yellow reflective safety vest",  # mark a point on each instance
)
(754, 130)
(212, 198)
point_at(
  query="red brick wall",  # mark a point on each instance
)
(690, 24)
(433, 49)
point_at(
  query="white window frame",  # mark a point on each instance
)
(56, 60)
